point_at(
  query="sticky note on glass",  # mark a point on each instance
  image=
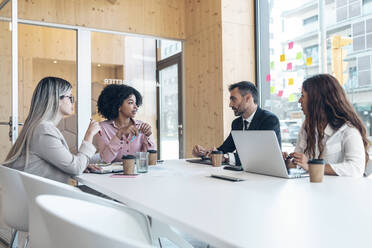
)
(272, 65)
(309, 61)
(290, 45)
(282, 57)
(280, 93)
(268, 78)
(290, 81)
(289, 66)
(299, 55)
(291, 98)
(272, 89)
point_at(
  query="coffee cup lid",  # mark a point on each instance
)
(151, 151)
(128, 157)
(217, 152)
(316, 161)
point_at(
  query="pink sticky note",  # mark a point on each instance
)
(280, 93)
(290, 45)
(268, 78)
(289, 66)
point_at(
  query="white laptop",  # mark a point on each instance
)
(259, 152)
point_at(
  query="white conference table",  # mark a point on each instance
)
(262, 211)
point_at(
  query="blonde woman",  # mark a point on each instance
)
(40, 148)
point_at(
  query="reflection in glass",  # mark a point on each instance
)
(169, 48)
(294, 56)
(5, 85)
(169, 142)
(45, 51)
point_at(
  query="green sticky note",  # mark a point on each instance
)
(291, 98)
(299, 55)
(272, 89)
(272, 64)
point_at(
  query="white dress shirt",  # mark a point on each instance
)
(343, 149)
(230, 154)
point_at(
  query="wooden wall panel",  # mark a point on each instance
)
(214, 60)
(201, 15)
(203, 73)
(43, 42)
(107, 48)
(160, 16)
(238, 11)
(60, 44)
(164, 18)
(6, 11)
(238, 39)
(203, 89)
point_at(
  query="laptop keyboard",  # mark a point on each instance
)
(297, 172)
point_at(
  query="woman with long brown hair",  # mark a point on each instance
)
(332, 129)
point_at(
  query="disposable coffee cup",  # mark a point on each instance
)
(128, 164)
(152, 157)
(217, 158)
(316, 170)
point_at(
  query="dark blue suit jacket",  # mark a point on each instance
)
(262, 120)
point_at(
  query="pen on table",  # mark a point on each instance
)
(134, 136)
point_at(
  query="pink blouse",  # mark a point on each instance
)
(112, 149)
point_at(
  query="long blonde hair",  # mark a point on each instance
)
(44, 107)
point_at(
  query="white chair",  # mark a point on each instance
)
(76, 223)
(35, 186)
(14, 202)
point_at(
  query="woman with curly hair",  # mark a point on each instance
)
(120, 133)
(332, 130)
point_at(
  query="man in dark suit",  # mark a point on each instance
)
(244, 103)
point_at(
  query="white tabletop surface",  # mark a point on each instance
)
(262, 211)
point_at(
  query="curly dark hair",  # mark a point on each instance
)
(113, 96)
(328, 104)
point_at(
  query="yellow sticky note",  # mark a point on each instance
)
(309, 61)
(282, 57)
(290, 81)
(272, 89)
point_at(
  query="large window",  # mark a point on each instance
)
(290, 51)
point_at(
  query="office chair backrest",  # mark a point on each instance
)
(35, 186)
(77, 223)
(14, 200)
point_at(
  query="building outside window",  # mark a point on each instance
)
(294, 56)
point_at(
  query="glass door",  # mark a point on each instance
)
(170, 127)
(47, 51)
(6, 126)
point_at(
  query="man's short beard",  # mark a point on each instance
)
(238, 113)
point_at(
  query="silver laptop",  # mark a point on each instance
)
(259, 152)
